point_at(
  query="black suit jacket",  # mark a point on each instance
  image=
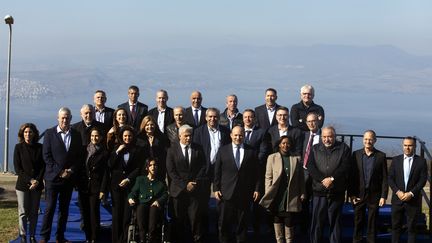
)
(416, 182)
(259, 141)
(108, 119)
(29, 164)
(233, 182)
(201, 136)
(119, 170)
(181, 172)
(169, 116)
(189, 117)
(93, 171)
(85, 131)
(378, 185)
(293, 132)
(57, 158)
(263, 118)
(142, 110)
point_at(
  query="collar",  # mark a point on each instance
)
(61, 131)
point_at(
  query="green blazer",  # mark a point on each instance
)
(147, 191)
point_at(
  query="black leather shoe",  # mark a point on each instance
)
(23, 239)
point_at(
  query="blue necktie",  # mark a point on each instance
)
(196, 117)
(237, 157)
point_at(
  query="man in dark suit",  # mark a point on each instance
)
(257, 138)
(211, 136)
(283, 128)
(236, 185)
(162, 114)
(62, 152)
(186, 170)
(87, 123)
(406, 177)
(136, 110)
(102, 113)
(231, 116)
(368, 186)
(195, 115)
(265, 114)
(300, 110)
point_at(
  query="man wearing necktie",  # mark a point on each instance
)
(136, 110)
(407, 177)
(195, 114)
(186, 170)
(236, 185)
(62, 153)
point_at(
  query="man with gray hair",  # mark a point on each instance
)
(300, 110)
(231, 116)
(329, 166)
(186, 170)
(62, 153)
(87, 123)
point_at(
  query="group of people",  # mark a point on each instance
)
(259, 166)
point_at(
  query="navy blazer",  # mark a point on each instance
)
(188, 117)
(262, 117)
(236, 182)
(180, 172)
(168, 119)
(201, 136)
(416, 182)
(260, 142)
(57, 158)
(142, 110)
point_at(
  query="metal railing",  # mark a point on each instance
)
(424, 153)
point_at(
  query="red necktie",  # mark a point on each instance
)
(307, 152)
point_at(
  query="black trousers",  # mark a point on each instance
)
(188, 206)
(149, 221)
(63, 192)
(233, 214)
(371, 204)
(121, 214)
(398, 212)
(326, 208)
(90, 210)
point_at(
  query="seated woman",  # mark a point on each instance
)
(151, 194)
(284, 189)
(30, 167)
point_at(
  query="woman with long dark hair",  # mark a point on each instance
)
(284, 189)
(120, 118)
(30, 167)
(123, 168)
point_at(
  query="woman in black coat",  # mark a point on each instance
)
(30, 167)
(123, 167)
(90, 183)
(155, 144)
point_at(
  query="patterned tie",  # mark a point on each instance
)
(307, 152)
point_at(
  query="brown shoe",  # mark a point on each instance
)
(43, 241)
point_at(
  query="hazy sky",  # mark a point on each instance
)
(65, 27)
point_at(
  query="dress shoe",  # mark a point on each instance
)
(23, 239)
(63, 241)
(43, 241)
